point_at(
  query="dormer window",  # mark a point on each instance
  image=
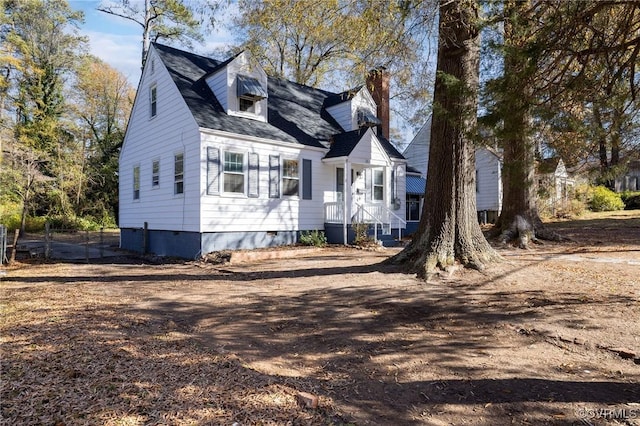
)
(247, 105)
(249, 88)
(367, 119)
(250, 92)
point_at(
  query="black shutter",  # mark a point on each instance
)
(394, 189)
(254, 167)
(213, 171)
(306, 179)
(274, 176)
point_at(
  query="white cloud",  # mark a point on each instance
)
(122, 52)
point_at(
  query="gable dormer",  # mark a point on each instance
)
(354, 109)
(240, 85)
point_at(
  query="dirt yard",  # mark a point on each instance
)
(551, 336)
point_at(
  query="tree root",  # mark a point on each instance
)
(524, 231)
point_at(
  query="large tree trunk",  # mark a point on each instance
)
(519, 219)
(449, 229)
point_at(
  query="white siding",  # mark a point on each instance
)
(346, 113)
(489, 182)
(369, 151)
(243, 65)
(361, 101)
(171, 131)
(342, 114)
(218, 84)
(240, 213)
(417, 153)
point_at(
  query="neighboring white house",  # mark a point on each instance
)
(554, 184)
(218, 155)
(488, 177)
(630, 181)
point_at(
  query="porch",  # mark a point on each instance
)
(383, 225)
(368, 187)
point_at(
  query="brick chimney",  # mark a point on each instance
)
(378, 85)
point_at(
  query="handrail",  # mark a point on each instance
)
(402, 223)
(376, 220)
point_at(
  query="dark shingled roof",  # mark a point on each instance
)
(344, 143)
(296, 113)
(338, 98)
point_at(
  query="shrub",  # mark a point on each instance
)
(631, 200)
(313, 238)
(76, 223)
(603, 200)
(361, 231)
(573, 208)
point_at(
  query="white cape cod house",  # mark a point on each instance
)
(218, 155)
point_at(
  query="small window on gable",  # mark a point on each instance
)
(153, 95)
(153, 66)
(155, 173)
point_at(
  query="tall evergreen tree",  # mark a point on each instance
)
(449, 231)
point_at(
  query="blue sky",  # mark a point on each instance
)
(118, 41)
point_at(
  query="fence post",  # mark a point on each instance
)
(14, 249)
(101, 242)
(47, 240)
(3, 244)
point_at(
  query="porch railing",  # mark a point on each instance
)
(366, 213)
(333, 212)
(381, 214)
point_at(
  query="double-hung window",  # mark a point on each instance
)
(378, 185)
(155, 173)
(233, 172)
(153, 99)
(290, 177)
(136, 183)
(178, 174)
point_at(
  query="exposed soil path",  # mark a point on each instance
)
(550, 336)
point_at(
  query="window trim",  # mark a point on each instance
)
(178, 178)
(250, 110)
(413, 199)
(285, 177)
(155, 175)
(375, 185)
(225, 172)
(153, 101)
(136, 182)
